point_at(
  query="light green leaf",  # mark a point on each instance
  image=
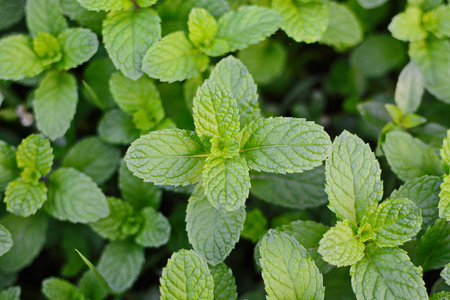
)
(407, 25)
(167, 157)
(145, 3)
(174, 58)
(121, 222)
(55, 103)
(17, 58)
(24, 198)
(246, 26)
(12, 12)
(47, 48)
(94, 158)
(8, 166)
(212, 233)
(28, 235)
(298, 190)
(78, 45)
(369, 4)
(444, 196)
(410, 157)
(45, 15)
(340, 246)
(6, 241)
(11, 293)
(202, 27)
(445, 274)
(255, 225)
(390, 273)
(224, 282)
(107, 5)
(74, 197)
(127, 36)
(433, 251)
(445, 153)
(394, 222)
(234, 76)
(117, 128)
(410, 87)
(120, 264)
(186, 276)
(56, 289)
(284, 145)
(353, 181)
(35, 153)
(437, 21)
(344, 30)
(155, 230)
(288, 270)
(304, 21)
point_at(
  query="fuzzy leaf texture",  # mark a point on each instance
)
(353, 181)
(78, 45)
(186, 276)
(35, 153)
(155, 230)
(288, 270)
(407, 26)
(46, 16)
(24, 198)
(212, 233)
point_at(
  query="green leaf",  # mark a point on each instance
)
(288, 270)
(344, 30)
(35, 153)
(94, 158)
(6, 241)
(28, 236)
(8, 166)
(246, 26)
(298, 190)
(117, 128)
(127, 36)
(255, 225)
(440, 296)
(433, 251)
(167, 157)
(395, 112)
(353, 181)
(74, 197)
(45, 15)
(284, 145)
(212, 233)
(120, 264)
(304, 21)
(99, 277)
(90, 19)
(47, 48)
(234, 76)
(78, 45)
(410, 157)
(121, 222)
(437, 21)
(138, 193)
(91, 287)
(186, 276)
(407, 26)
(11, 293)
(369, 4)
(56, 288)
(55, 103)
(409, 90)
(444, 196)
(24, 198)
(17, 58)
(445, 274)
(174, 58)
(340, 246)
(390, 273)
(224, 282)
(445, 153)
(202, 27)
(11, 13)
(155, 230)
(107, 5)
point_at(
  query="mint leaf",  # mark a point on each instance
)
(107, 5)
(304, 21)
(56, 288)
(234, 76)
(167, 157)
(202, 27)
(288, 270)
(433, 251)
(6, 241)
(353, 181)
(47, 48)
(17, 58)
(186, 276)
(410, 157)
(410, 88)
(391, 274)
(91, 287)
(284, 145)
(28, 236)
(90, 19)
(174, 58)
(155, 230)
(11, 13)
(445, 274)
(24, 198)
(444, 196)
(224, 282)
(407, 26)
(8, 165)
(55, 103)
(117, 128)
(11, 293)
(212, 233)
(35, 153)
(78, 45)
(445, 153)
(120, 264)
(94, 158)
(440, 296)
(127, 36)
(45, 15)
(369, 4)
(74, 197)
(341, 246)
(437, 21)
(343, 29)
(246, 26)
